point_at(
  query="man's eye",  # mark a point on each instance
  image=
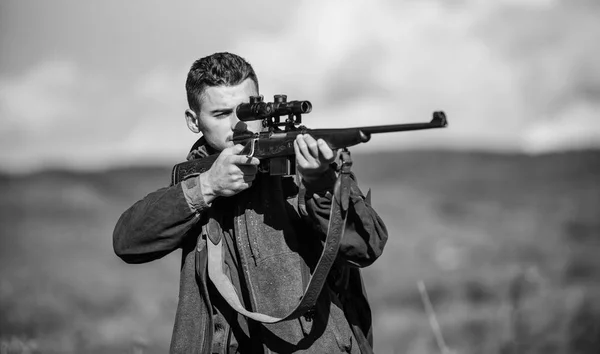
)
(223, 114)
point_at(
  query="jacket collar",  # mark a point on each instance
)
(200, 149)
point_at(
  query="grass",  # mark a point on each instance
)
(506, 245)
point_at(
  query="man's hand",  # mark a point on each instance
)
(230, 174)
(313, 156)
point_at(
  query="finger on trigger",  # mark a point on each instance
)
(250, 161)
(244, 160)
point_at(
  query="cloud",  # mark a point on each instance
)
(575, 127)
(39, 98)
(56, 115)
(364, 62)
(161, 85)
(511, 75)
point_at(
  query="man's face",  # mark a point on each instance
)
(217, 118)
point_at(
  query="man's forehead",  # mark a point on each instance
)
(224, 95)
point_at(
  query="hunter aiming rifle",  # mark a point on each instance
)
(275, 150)
(275, 147)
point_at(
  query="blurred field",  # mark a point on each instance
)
(507, 245)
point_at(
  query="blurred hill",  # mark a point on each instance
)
(507, 246)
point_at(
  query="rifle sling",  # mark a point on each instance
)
(335, 232)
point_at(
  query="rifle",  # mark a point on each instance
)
(275, 146)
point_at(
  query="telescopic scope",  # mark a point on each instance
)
(257, 109)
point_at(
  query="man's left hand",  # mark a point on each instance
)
(313, 156)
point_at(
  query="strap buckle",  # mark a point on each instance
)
(342, 185)
(309, 315)
(345, 161)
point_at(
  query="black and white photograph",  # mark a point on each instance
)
(315, 176)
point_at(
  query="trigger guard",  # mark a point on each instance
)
(252, 143)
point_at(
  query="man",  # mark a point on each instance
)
(270, 229)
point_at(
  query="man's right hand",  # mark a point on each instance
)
(230, 174)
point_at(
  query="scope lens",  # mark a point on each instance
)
(306, 107)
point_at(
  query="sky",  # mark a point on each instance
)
(98, 84)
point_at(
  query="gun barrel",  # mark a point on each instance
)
(277, 144)
(439, 121)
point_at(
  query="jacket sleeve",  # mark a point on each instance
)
(157, 225)
(365, 235)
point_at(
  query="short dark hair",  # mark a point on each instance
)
(219, 69)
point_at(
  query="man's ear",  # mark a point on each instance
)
(192, 120)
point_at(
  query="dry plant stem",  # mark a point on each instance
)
(433, 322)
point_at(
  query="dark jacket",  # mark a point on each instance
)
(275, 230)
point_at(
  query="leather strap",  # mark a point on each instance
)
(335, 232)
